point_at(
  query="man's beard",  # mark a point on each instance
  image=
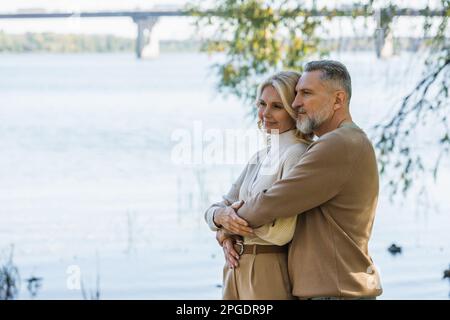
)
(307, 125)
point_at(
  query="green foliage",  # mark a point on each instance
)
(258, 37)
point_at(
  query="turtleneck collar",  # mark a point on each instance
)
(285, 139)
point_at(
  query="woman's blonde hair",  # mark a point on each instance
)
(284, 83)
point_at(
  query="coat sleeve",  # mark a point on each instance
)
(318, 177)
(281, 231)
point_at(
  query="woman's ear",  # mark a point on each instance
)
(339, 100)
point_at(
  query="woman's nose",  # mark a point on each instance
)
(266, 111)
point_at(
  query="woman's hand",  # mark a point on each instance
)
(228, 219)
(227, 241)
(231, 256)
(221, 235)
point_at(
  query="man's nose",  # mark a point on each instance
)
(296, 104)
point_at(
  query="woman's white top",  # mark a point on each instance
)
(261, 172)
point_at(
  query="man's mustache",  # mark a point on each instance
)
(301, 110)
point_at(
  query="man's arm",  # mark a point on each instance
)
(318, 177)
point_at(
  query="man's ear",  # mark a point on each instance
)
(339, 100)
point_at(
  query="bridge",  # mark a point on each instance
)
(148, 46)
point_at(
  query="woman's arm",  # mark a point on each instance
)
(220, 213)
(227, 200)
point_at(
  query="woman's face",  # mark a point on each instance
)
(272, 112)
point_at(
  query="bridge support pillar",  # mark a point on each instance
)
(147, 44)
(384, 42)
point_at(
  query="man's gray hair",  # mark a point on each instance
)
(333, 71)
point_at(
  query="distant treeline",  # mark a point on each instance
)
(368, 43)
(73, 43)
(51, 42)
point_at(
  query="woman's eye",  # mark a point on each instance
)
(278, 107)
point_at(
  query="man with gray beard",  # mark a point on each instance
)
(333, 190)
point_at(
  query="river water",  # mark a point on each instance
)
(89, 184)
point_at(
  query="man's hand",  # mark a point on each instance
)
(228, 219)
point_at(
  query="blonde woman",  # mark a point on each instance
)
(256, 265)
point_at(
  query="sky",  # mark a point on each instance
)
(173, 28)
